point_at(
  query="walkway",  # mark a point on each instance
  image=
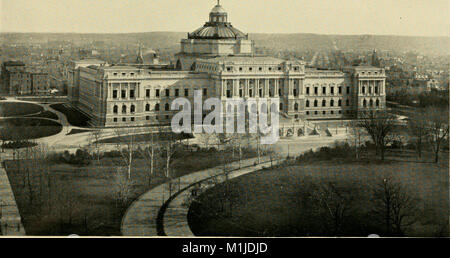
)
(10, 221)
(141, 218)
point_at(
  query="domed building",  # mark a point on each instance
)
(218, 61)
(216, 38)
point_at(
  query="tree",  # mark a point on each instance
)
(122, 187)
(418, 128)
(333, 204)
(356, 132)
(126, 148)
(148, 152)
(395, 205)
(380, 126)
(438, 128)
(95, 137)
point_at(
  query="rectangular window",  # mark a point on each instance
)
(177, 92)
(332, 90)
(376, 89)
(157, 93)
(124, 94)
(348, 90)
(240, 93)
(132, 94)
(316, 90)
(132, 119)
(167, 92)
(324, 90)
(228, 93)
(114, 94)
(279, 92)
(340, 90)
(147, 93)
(205, 92)
(147, 118)
(295, 92)
(115, 120)
(260, 93)
(307, 90)
(250, 93)
(186, 92)
(124, 119)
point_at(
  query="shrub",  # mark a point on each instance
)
(18, 144)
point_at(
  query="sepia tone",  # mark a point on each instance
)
(88, 145)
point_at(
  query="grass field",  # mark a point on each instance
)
(74, 117)
(28, 128)
(45, 114)
(11, 109)
(146, 137)
(66, 199)
(270, 202)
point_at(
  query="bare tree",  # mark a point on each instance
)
(418, 128)
(334, 203)
(380, 126)
(356, 137)
(394, 204)
(126, 148)
(122, 187)
(148, 151)
(438, 124)
(94, 140)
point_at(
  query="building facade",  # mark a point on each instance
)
(19, 79)
(219, 60)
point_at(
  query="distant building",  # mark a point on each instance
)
(219, 60)
(19, 79)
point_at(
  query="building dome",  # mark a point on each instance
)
(218, 27)
(218, 9)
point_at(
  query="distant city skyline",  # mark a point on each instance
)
(344, 17)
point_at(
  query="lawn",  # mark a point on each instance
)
(74, 117)
(11, 109)
(146, 137)
(67, 199)
(45, 114)
(273, 202)
(27, 128)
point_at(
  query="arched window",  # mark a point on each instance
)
(147, 107)
(371, 103)
(124, 109)
(316, 103)
(296, 107)
(365, 103)
(157, 107)
(116, 109)
(167, 107)
(340, 103)
(363, 90)
(133, 108)
(307, 103)
(331, 103)
(377, 102)
(324, 103)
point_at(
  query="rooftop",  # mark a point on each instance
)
(244, 60)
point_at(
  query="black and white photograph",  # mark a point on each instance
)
(249, 119)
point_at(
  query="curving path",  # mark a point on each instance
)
(155, 213)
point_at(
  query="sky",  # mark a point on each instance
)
(348, 17)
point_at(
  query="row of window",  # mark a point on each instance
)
(324, 90)
(133, 108)
(371, 103)
(157, 93)
(324, 103)
(332, 112)
(363, 90)
(133, 119)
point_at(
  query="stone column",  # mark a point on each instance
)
(266, 88)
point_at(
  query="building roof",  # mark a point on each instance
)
(217, 31)
(244, 60)
(218, 9)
